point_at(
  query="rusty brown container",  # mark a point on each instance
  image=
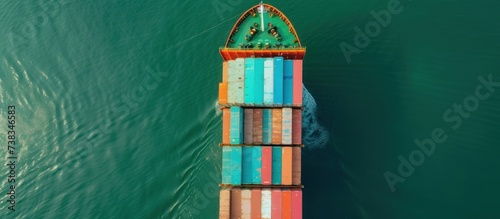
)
(296, 165)
(277, 122)
(257, 126)
(226, 116)
(296, 126)
(224, 204)
(236, 203)
(286, 172)
(248, 126)
(256, 203)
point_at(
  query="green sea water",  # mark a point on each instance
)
(116, 116)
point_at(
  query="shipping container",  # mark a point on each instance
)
(267, 161)
(276, 170)
(236, 156)
(236, 203)
(267, 126)
(277, 122)
(297, 126)
(286, 126)
(268, 81)
(248, 126)
(236, 125)
(259, 81)
(257, 126)
(288, 82)
(256, 203)
(246, 204)
(286, 174)
(226, 124)
(266, 204)
(296, 165)
(278, 80)
(296, 204)
(256, 165)
(223, 93)
(250, 81)
(240, 80)
(247, 165)
(231, 83)
(226, 165)
(286, 204)
(225, 204)
(276, 203)
(297, 82)
(225, 72)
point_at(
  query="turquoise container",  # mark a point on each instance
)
(276, 168)
(256, 165)
(288, 82)
(278, 80)
(226, 165)
(247, 167)
(236, 155)
(259, 81)
(236, 125)
(249, 81)
(267, 126)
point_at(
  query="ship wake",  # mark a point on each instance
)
(313, 134)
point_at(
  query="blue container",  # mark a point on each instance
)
(249, 80)
(226, 165)
(259, 81)
(236, 125)
(257, 165)
(267, 126)
(278, 80)
(277, 166)
(247, 167)
(288, 82)
(236, 155)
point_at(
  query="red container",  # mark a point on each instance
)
(226, 116)
(267, 161)
(297, 83)
(257, 126)
(236, 203)
(286, 204)
(248, 126)
(277, 122)
(276, 204)
(256, 203)
(286, 166)
(296, 126)
(296, 204)
(296, 165)
(224, 204)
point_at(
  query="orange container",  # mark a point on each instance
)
(226, 116)
(257, 126)
(277, 122)
(235, 203)
(296, 168)
(286, 204)
(225, 68)
(224, 204)
(223, 93)
(286, 165)
(256, 203)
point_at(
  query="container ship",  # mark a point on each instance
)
(261, 101)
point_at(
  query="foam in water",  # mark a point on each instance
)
(313, 134)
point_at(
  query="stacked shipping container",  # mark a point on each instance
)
(261, 138)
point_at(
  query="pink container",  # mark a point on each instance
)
(297, 83)
(296, 204)
(276, 204)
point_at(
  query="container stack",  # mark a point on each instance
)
(261, 100)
